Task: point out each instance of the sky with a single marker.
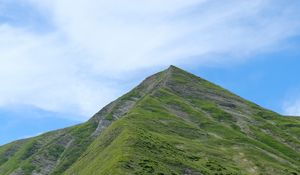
(61, 61)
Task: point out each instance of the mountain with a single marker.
(173, 123)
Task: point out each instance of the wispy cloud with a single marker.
(292, 109)
(291, 105)
(40, 71)
(77, 65)
(139, 34)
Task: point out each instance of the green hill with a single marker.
(173, 123)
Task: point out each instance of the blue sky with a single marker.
(62, 60)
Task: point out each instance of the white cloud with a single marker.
(293, 109)
(42, 72)
(143, 34)
(76, 67)
(291, 106)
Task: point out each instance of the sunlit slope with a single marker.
(173, 123)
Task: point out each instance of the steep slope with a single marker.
(172, 123)
(54, 152)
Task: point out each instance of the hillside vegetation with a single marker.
(173, 123)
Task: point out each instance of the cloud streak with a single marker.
(77, 66)
(291, 105)
(292, 109)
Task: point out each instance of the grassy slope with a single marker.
(200, 138)
(186, 125)
(35, 153)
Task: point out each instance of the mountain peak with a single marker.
(172, 123)
(172, 67)
(173, 79)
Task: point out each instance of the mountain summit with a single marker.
(173, 123)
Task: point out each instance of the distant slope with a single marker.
(172, 123)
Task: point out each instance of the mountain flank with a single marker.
(173, 123)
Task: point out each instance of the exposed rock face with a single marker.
(120, 107)
(172, 123)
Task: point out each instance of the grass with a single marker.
(185, 125)
(151, 140)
